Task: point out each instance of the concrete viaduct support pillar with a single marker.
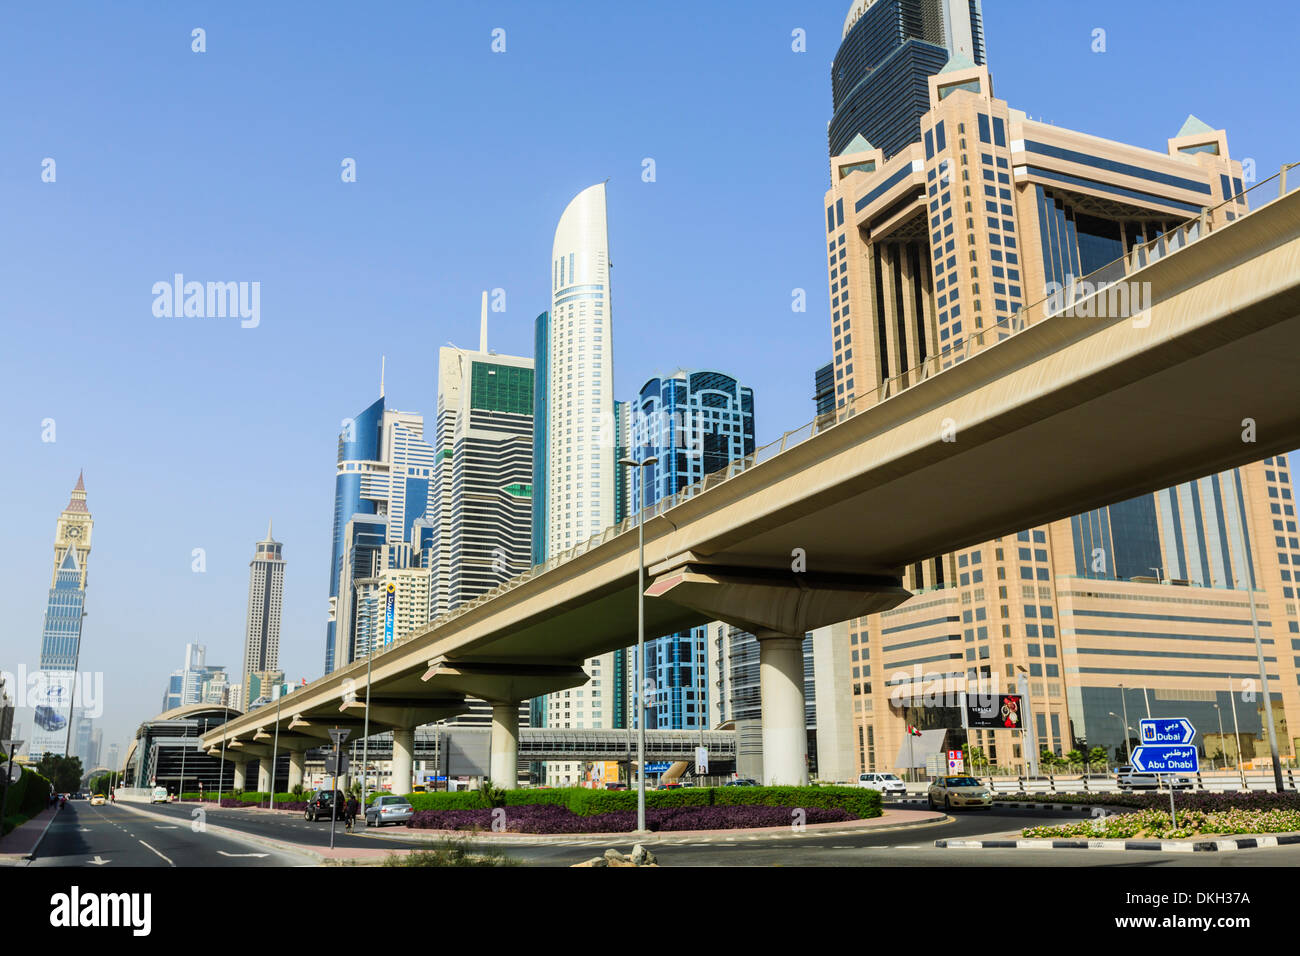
(241, 771)
(264, 775)
(403, 759)
(503, 765)
(785, 735)
(297, 767)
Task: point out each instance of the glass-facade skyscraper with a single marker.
(889, 50)
(694, 423)
(385, 470)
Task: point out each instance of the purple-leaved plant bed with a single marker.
(544, 818)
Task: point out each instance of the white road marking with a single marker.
(142, 843)
(224, 853)
(98, 860)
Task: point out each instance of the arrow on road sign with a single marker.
(1167, 730)
(1173, 758)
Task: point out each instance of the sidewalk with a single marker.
(21, 842)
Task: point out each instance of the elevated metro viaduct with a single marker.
(1106, 408)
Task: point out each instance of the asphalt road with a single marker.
(113, 830)
(287, 827)
(109, 836)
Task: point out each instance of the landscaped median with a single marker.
(1205, 821)
(578, 810)
(1157, 825)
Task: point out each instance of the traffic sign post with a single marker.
(338, 735)
(1167, 748)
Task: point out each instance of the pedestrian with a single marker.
(350, 814)
(112, 795)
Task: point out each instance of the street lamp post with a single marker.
(640, 638)
(1236, 733)
(1128, 741)
(221, 770)
(1259, 644)
(275, 747)
(1219, 713)
(365, 733)
(1123, 731)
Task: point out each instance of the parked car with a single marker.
(741, 782)
(98, 800)
(320, 805)
(673, 785)
(958, 791)
(886, 783)
(1126, 778)
(159, 795)
(388, 809)
(611, 785)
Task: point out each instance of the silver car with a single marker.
(388, 809)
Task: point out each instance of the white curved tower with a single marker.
(580, 466)
(581, 437)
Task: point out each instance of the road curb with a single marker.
(677, 838)
(240, 836)
(1167, 846)
(1084, 809)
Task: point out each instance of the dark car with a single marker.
(741, 782)
(615, 785)
(321, 803)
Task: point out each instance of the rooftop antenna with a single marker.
(482, 325)
(382, 360)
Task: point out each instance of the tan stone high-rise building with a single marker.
(1135, 609)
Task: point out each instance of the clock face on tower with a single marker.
(73, 532)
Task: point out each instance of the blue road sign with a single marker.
(1166, 758)
(1167, 730)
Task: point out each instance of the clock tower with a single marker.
(73, 532)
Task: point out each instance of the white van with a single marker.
(886, 783)
(159, 795)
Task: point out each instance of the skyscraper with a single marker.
(580, 468)
(694, 423)
(484, 485)
(385, 468)
(888, 51)
(481, 532)
(61, 636)
(1138, 604)
(265, 600)
(577, 438)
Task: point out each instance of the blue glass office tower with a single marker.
(358, 442)
(694, 423)
(879, 77)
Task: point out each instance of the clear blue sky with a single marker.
(225, 166)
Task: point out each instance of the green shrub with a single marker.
(859, 802)
(456, 800)
(520, 798)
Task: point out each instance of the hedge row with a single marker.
(28, 796)
(579, 800)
